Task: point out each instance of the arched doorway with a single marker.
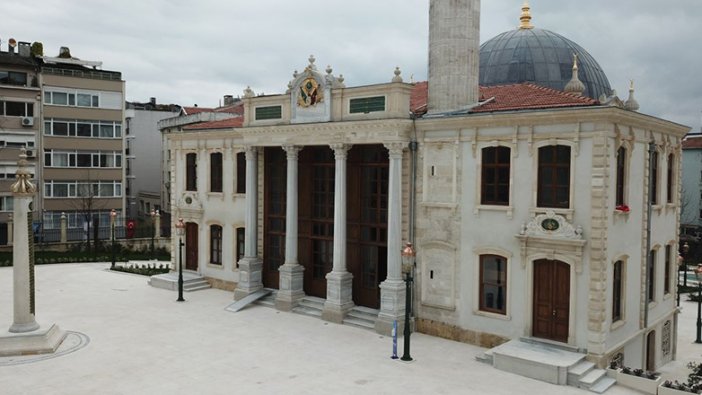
(191, 246)
(551, 304)
(651, 351)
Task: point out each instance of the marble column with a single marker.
(291, 273)
(392, 290)
(250, 266)
(339, 281)
(157, 224)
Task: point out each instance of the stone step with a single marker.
(304, 310)
(191, 281)
(536, 360)
(591, 378)
(193, 288)
(602, 385)
(359, 323)
(484, 358)
(577, 371)
(312, 303)
(363, 313)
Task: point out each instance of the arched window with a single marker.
(241, 172)
(191, 172)
(654, 177)
(554, 176)
(670, 191)
(494, 180)
(621, 176)
(618, 291)
(493, 284)
(215, 244)
(216, 172)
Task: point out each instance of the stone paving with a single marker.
(139, 340)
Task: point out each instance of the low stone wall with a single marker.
(452, 332)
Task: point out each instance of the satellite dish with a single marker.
(12, 42)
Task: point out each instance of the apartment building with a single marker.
(19, 113)
(82, 141)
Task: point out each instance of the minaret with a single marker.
(454, 47)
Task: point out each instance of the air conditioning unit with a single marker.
(27, 121)
(30, 153)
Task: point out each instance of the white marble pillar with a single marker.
(291, 273)
(392, 290)
(23, 192)
(250, 266)
(157, 224)
(339, 281)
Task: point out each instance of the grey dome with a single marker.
(541, 57)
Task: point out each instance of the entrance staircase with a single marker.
(191, 281)
(358, 316)
(555, 364)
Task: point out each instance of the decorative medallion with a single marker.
(309, 94)
(188, 200)
(550, 224)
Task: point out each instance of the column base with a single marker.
(339, 296)
(392, 307)
(41, 341)
(24, 327)
(291, 291)
(250, 272)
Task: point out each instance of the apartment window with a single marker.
(617, 291)
(6, 203)
(666, 274)
(16, 109)
(72, 98)
(367, 105)
(240, 237)
(670, 190)
(241, 172)
(216, 172)
(654, 178)
(191, 172)
(216, 244)
(77, 189)
(621, 175)
(554, 177)
(493, 283)
(494, 188)
(79, 128)
(13, 78)
(651, 286)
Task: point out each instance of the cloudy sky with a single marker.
(194, 52)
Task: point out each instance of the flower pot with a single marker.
(670, 391)
(639, 383)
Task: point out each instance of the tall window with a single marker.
(670, 191)
(617, 291)
(241, 172)
(494, 188)
(216, 244)
(216, 172)
(666, 275)
(651, 276)
(240, 232)
(554, 177)
(191, 172)
(621, 175)
(654, 177)
(493, 284)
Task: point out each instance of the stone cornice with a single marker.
(554, 116)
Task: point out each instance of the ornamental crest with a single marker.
(309, 94)
(551, 225)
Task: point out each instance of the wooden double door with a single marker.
(551, 304)
(366, 204)
(191, 246)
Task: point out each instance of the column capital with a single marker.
(251, 152)
(395, 148)
(292, 151)
(340, 150)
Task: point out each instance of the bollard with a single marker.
(394, 340)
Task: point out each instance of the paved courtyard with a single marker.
(143, 342)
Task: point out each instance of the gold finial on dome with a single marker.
(525, 18)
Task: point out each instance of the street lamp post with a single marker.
(408, 257)
(113, 216)
(180, 229)
(153, 231)
(698, 273)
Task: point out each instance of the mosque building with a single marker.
(525, 186)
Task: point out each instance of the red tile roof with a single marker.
(692, 142)
(236, 108)
(235, 122)
(508, 98)
(196, 110)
